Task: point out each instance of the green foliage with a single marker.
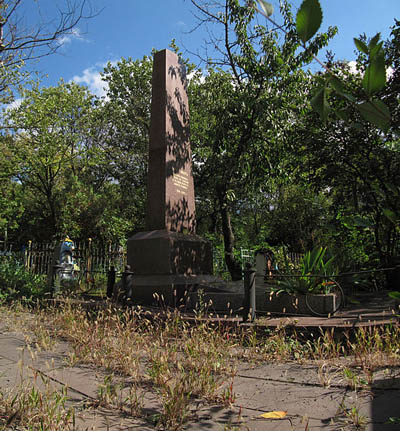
(125, 119)
(376, 112)
(297, 217)
(48, 144)
(308, 19)
(18, 283)
(320, 103)
(394, 295)
(375, 72)
(312, 276)
(239, 115)
(76, 164)
(354, 162)
(11, 201)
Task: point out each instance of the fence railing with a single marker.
(248, 255)
(92, 256)
(100, 257)
(89, 256)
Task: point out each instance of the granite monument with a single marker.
(169, 260)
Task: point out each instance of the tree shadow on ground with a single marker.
(385, 405)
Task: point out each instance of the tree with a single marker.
(81, 162)
(246, 104)
(358, 163)
(11, 206)
(48, 150)
(125, 118)
(308, 21)
(21, 43)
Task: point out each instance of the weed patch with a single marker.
(181, 362)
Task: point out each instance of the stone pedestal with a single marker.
(169, 264)
(162, 252)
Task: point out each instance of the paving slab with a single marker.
(258, 388)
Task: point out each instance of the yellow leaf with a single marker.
(274, 415)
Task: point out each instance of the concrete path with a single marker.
(314, 397)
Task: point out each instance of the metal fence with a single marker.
(89, 256)
(247, 256)
(92, 256)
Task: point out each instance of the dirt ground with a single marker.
(311, 396)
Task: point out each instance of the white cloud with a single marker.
(92, 79)
(353, 70)
(68, 38)
(191, 75)
(15, 104)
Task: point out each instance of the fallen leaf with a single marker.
(274, 415)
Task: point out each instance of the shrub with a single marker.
(18, 283)
(313, 275)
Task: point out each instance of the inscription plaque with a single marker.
(181, 182)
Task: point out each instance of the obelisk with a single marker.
(169, 258)
(170, 203)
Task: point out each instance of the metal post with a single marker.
(110, 282)
(127, 282)
(249, 305)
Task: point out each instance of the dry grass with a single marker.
(36, 406)
(180, 361)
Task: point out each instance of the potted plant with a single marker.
(311, 286)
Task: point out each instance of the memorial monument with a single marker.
(169, 259)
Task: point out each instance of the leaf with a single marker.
(375, 75)
(374, 40)
(376, 112)
(266, 7)
(361, 46)
(377, 49)
(274, 415)
(320, 103)
(391, 215)
(308, 19)
(358, 126)
(352, 222)
(394, 295)
(338, 86)
(342, 115)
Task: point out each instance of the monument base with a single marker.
(168, 264)
(161, 252)
(173, 290)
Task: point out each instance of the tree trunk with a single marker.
(233, 265)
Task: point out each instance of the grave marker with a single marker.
(169, 258)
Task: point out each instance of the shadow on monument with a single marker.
(178, 215)
(177, 141)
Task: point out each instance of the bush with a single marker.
(313, 275)
(18, 283)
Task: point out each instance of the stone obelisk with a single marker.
(169, 258)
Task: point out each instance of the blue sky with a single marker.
(132, 28)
